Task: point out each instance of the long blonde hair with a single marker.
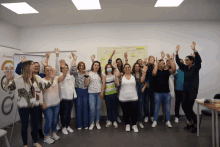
(25, 72)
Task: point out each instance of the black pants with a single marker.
(66, 107)
(24, 116)
(130, 111)
(111, 102)
(149, 98)
(187, 105)
(179, 97)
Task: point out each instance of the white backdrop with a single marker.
(7, 108)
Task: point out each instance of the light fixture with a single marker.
(168, 3)
(20, 8)
(87, 4)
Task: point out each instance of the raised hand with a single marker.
(173, 55)
(73, 55)
(157, 62)
(168, 57)
(113, 53)
(193, 45)
(93, 58)
(48, 55)
(43, 63)
(177, 49)
(162, 54)
(126, 55)
(145, 60)
(57, 51)
(62, 63)
(23, 59)
(145, 68)
(70, 57)
(193, 55)
(114, 65)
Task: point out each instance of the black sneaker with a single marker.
(41, 134)
(193, 130)
(188, 127)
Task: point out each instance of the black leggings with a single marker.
(130, 111)
(179, 97)
(187, 105)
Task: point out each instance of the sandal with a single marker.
(37, 145)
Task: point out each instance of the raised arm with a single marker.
(18, 68)
(154, 72)
(86, 78)
(173, 68)
(45, 63)
(64, 71)
(126, 57)
(110, 59)
(73, 69)
(144, 70)
(181, 65)
(57, 65)
(198, 59)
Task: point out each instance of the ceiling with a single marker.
(64, 12)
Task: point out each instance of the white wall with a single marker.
(9, 35)
(159, 36)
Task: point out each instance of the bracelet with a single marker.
(86, 76)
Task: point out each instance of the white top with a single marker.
(51, 95)
(128, 90)
(67, 89)
(171, 85)
(95, 83)
(67, 86)
(21, 101)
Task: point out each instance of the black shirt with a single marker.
(149, 77)
(161, 81)
(191, 76)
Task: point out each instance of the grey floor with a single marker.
(161, 136)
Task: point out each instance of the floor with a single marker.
(161, 136)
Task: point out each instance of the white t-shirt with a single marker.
(67, 88)
(171, 85)
(95, 83)
(51, 95)
(128, 90)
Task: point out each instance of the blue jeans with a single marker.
(24, 117)
(111, 102)
(51, 114)
(140, 106)
(65, 112)
(94, 106)
(82, 108)
(159, 97)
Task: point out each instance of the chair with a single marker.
(208, 112)
(3, 133)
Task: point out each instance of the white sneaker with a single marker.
(135, 128)
(64, 131)
(154, 124)
(70, 130)
(141, 125)
(128, 128)
(107, 121)
(98, 125)
(176, 120)
(108, 124)
(146, 119)
(118, 119)
(48, 140)
(55, 137)
(86, 128)
(58, 127)
(152, 119)
(115, 124)
(168, 124)
(79, 128)
(91, 126)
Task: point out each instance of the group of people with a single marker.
(144, 86)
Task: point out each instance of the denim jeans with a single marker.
(94, 106)
(82, 108)
(65, 112)
(51, 114)
(159, 97)
(24, 116)
(111, 102)
(149, 98)
(140, 106)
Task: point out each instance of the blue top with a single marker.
(18, 70)
(179, 80)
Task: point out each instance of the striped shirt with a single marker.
(110, 85)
